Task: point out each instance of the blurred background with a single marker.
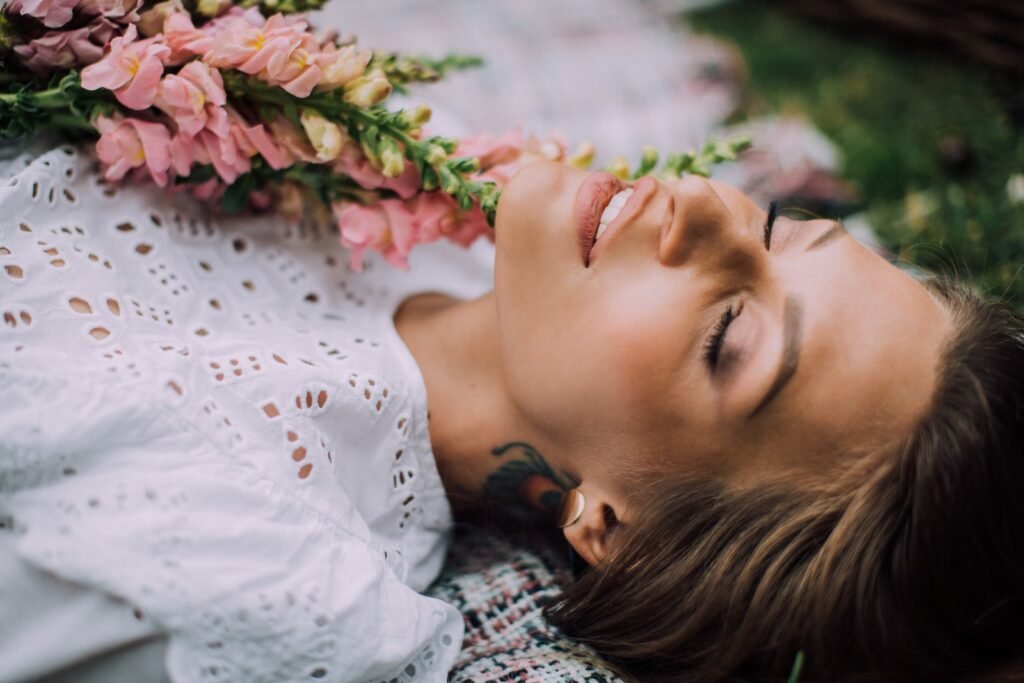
(902, 117)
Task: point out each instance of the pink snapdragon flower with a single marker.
(224, 153)
(492, 150)
(387, 226)
(184, 39)
(234, 19)
(228, 160)
(438, 215)
(295, 70)
(123, 10)
(132, 69)
(239, 45)
(355, 165)
(185, 151)
(210, 191)
(280, 51)
(254, 139)
(292, 141)
(194, 98)
(52, 13)
(127, 143)
(56, 50)
(471, 226)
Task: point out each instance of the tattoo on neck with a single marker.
(525, 484)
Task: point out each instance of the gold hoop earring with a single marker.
(573, 503)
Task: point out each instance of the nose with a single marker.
(705, 232)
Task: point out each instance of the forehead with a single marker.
(868, 367)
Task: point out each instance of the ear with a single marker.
(591, 535)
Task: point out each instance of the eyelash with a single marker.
(769, 224)
(713, 346)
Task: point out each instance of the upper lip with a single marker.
(643, 190)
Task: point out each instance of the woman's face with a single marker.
(684, 338)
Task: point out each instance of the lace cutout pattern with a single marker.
(184, 383)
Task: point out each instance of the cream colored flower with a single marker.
(392, 161)
(619, 168)
(151, 22)
(582, 157)
(340, 66)
(212, 8)
(326, 137)
(367, 91)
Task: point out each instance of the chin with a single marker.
(536, 250)
(534, 238)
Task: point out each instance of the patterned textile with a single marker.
(501, 588)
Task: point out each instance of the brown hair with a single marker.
(910, 567)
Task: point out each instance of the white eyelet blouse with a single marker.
(211, 432)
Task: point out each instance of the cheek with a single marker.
(607, 360)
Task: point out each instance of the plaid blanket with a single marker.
(501, 589)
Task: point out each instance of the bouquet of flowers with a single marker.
(244, 105)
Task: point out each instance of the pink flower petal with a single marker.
(140, 92)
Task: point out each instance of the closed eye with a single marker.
(769, 224)
(713, 346)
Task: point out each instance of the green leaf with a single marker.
(798, 667)
(236, 197)
(198, 175)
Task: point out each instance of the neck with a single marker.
(487, 456)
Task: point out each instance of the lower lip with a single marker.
(591, 199)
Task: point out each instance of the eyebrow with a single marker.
(792, 316)
(837, 229)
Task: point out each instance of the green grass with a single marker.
(891, 108)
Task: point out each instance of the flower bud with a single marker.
(449, 181)
(436, 155)
(326, 137)
(467, 165)
(151, 22)
(550, 150)
(582, 157)
(391, 159)
(650, 156)
(212, 8)
(619, 168)
(418, 116)
(367, 91)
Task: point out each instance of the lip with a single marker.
(643, 190)
(591, 199)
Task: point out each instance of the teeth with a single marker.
(611, 212)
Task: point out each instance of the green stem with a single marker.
(327, 104)
(369, 119)
(53, 98)
(331, 106)
(71, 121)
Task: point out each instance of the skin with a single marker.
(570, 374)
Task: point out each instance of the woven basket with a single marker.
(990, 30)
